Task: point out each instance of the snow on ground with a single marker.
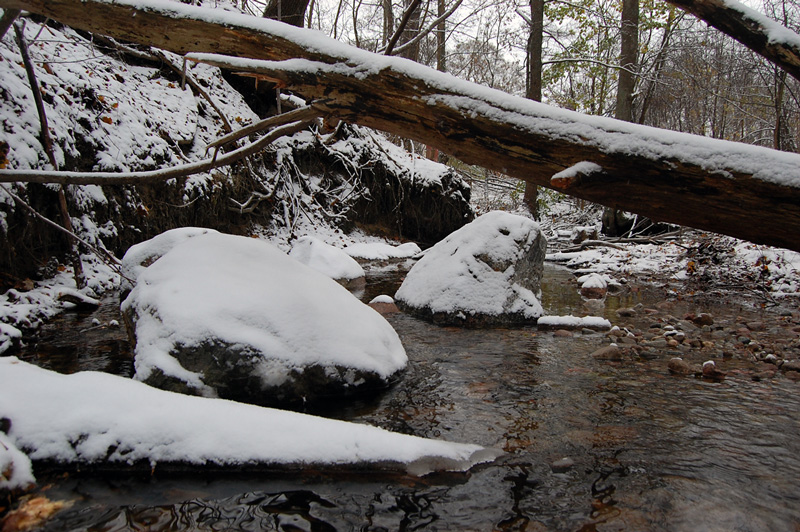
(326, 259)
(244, 291)
(92, 417)
(382, 250)
(22, 310)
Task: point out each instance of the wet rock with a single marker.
(678, 366)
(703, 319)
(562, 333)
(626, 312)
(793, 375)
(609, 352)
(791, 365)
(656, 343)
(710, 371)
(486, 274)
(562, 465)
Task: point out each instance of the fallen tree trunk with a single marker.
(761, 34)
(736, 189)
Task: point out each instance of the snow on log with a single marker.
(740, 190)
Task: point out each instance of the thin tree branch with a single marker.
(164, 174)
(303, 113)
(422, 34)
(47, 142)
(112, 261)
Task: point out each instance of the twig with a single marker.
(151, 176)
(591, 244)
(102, 254)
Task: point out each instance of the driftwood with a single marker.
(740, 190)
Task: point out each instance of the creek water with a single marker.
(645, 450)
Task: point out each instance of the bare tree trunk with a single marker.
(288, 11)
(441, 34)
(629, 56)
(614, 221)
(533, 89)
(8, 18)
(47, 142)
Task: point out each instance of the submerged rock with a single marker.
(485, 274)
(234, 317)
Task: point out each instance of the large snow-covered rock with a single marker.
(329, 260)
(487, 273)
(234, 317)
(101, 420)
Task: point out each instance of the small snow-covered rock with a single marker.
(16, 472)
(573, 322)
(382, 251)
(327, 259)
(593, 286)
(485, 274)
(234, 317)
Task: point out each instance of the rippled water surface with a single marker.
(649, 451)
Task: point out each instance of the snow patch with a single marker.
(92, 417)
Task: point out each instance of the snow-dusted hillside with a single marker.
(114, 108)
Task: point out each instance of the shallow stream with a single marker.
(645, 450)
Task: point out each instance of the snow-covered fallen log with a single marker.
(93, 419)
(679, 178)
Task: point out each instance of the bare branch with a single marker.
(303, 113)
(134, 178)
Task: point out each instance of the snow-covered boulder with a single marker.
(329, 260)
(487, 273)
(99, 420)
(234, 317)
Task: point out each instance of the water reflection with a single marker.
(646, 451)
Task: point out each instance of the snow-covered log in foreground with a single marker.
(101, 420)
(741, 190)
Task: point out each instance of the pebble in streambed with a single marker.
(771, 344)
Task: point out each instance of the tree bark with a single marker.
(741, 190)
(533, 89)
(750, 28)
(288, 11)
(629, 56)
